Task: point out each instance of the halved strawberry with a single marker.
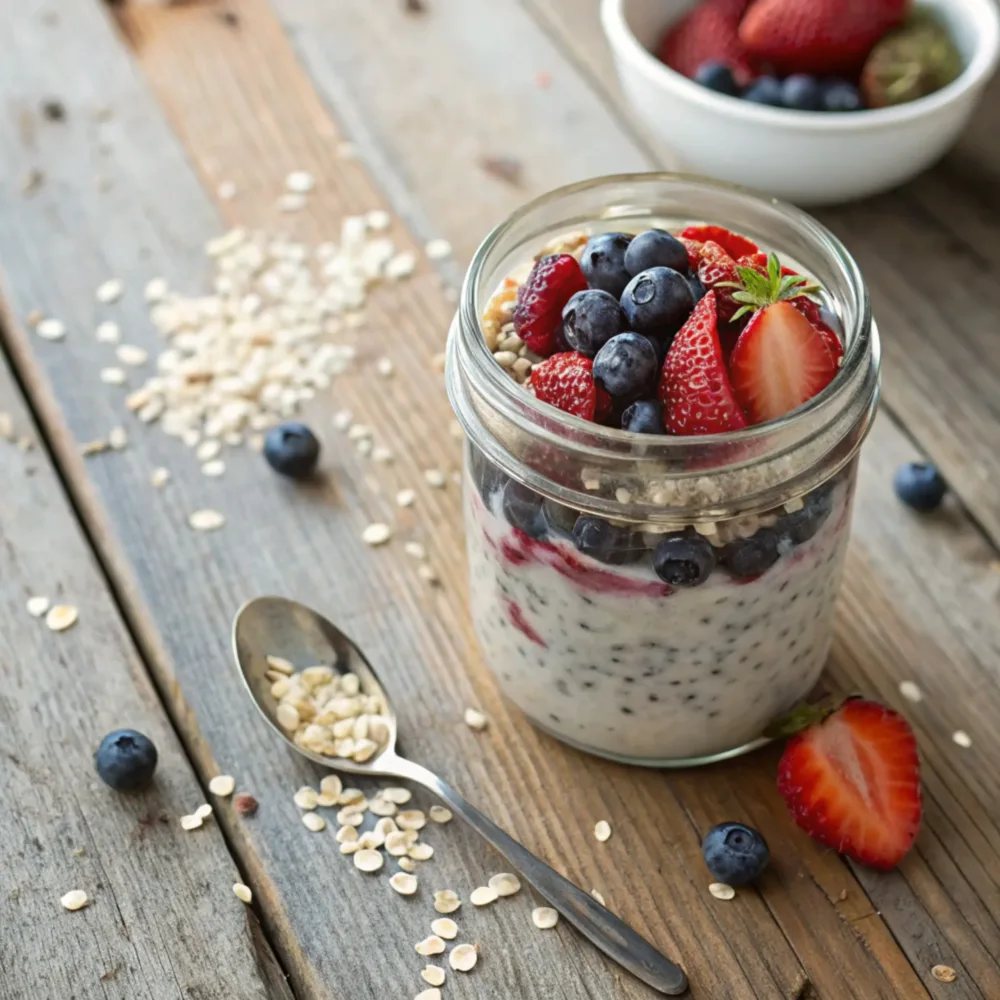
(733, 243)
(693, 248)
(852, 782)
(709, 33)
(540, 300)
(779, 362)
(694, 387)
(566, 380)
(812, 312)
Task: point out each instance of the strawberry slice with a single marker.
(693, 248)
(709, 33)
(540, 300)
(694, 387)
(811, 311)
(733, 243)
(566, 380)
(780, 361)
(852, 782)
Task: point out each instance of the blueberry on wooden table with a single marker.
(603, 262)
(126, 760)
(292, 449)
(735, 854)
(920, 485)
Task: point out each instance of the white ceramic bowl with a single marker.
(805, 157)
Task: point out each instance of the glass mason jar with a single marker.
(600, 652)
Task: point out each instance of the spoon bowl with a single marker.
(275, 626)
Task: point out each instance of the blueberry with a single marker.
(752, 556)
(644, 417)
(627, 365)
(718, 77)
(559, 519)
(840, 95)
(684, 560)
(291, 449)
(522, 507)
(590, 319)
(655, 248)
(608, 543)
(802, 92)
(765, 90)
(920, 486)
(698, 290)
(488, 477)
(603, 262)
(735, 854)
(658, 301)
(126, 760)
(801, 525)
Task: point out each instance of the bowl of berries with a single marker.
(818, 103)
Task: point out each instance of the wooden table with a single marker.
(458, 110)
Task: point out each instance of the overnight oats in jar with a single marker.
(664, 383)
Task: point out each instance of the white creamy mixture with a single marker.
(603, 657)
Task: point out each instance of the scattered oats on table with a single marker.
(415, 550)
(61, 617)
(463, 957)
(404, 883)
(109, 291)
(243, 893)
(6, 427)
(505, 884)
(445, 927)
(446, 901)
(597, 895)
(385, 367)
(437, 249)
(132, 355)
(76, 899)
(439, 814)
(38, 606)
(432, 945)
(411, 819)
(962, 738)
(544, 917)
(51, 329)
(602, 830)
(944, 973)
(910, 691)
(300, 182)
(432, 994)
(376, 534)
(421, 852)
(433, 974)
(159, 477)
(113, 376)
(483, 896)
(722, 891)
(108, 332)
(222, 785)
(206, 520)
(203, 811)
(191, 822)
(313, 822)
(435, 478)
(407, 864)
(117, 438)
(369, 860)
(475, 719)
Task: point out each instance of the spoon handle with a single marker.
(595, 922)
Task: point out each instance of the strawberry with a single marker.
(709, 33)
(693, 248)
(812, 312)
(717, 270)
(852, 782)
(735, 245)
(779, 362)
(821, 37)
(540, 301)
(694, 386)
(566, 380)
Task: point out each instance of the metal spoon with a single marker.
(276, 626)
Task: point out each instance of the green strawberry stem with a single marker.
(756, 291)
(804, 715)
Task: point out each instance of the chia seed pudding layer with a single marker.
(615, 660)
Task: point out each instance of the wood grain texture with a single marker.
(162, 922)
(795, 938)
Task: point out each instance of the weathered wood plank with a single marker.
(162, 922)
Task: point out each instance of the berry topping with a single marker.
(694, 386)
(735, 854)
(765, 90)
(823, 37)
(567, 381)
(603, 262)
(718, 271)
(719, 77)
(801, 92)
(750, 557)
(698, 290)
(658, 301)
(126, 760)
(735, 245)
(292, 449)
(522, 507)
(852, 782)
(627, 366)
(920, 486)
(779, 362)
(605, 542)
(541, 299)
(558, 517)
(801, 525)
(762, 281)
(826, 323)
(709, 33)
(644, 417)
(655, 248)
(684, 560)
(842, 95)
(591, 318)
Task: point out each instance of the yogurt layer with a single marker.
(618, 662)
